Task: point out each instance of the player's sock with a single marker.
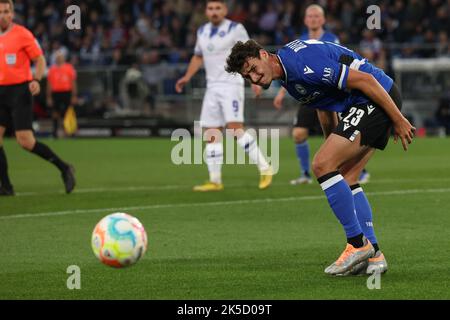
(214, 160)
(341, 202)
(356, 241)
(376, 247)
(302, 150)
(250, 145)
(364, 214)
(4, 177)
(46, 153)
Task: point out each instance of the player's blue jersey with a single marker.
(316, 74)
(326, 36)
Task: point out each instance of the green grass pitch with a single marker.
(241, 243)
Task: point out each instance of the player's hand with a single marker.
(181, 83)
(50, 102)
(404, 130)
(278, 101)
(74, 101)
(257, 90)
(34, 87)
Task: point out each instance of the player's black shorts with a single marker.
(16, 107)
(307, 118)
(370, 121)
(61, 101)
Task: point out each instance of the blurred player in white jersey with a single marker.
(223, 103)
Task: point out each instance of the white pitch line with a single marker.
(216, 203)
(175, 187)
(98, 190)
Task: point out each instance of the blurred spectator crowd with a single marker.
(122, 32)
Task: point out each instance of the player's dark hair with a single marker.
(11, 4)
(240, 53)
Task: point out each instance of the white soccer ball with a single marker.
(119, 240)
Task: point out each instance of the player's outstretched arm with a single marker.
(194, 65)
(367, 84)
(278, 100)
(328, 121)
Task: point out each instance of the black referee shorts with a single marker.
(61, 101)
(370, 121)
(16, 107)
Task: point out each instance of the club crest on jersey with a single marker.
(222, 34)
(300, 89)
(11, 58)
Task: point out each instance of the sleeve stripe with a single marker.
(342, 76)
(356, 64)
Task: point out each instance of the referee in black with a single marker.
(18, 47)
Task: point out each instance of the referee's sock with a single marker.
(46, 153)
(4, 178)
(341, 202)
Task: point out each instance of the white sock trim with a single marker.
(214, 153)
(214, 160)
(357, 190)
(247, 140)
(253, 151)
(331, 182)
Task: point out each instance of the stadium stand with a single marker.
(157, 38)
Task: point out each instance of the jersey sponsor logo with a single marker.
(307, 70)
(11, 58)
(300, 89)
(370, 109)
(346, 126)
(328, 75)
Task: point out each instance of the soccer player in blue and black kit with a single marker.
(306, 118)
(334, 79)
